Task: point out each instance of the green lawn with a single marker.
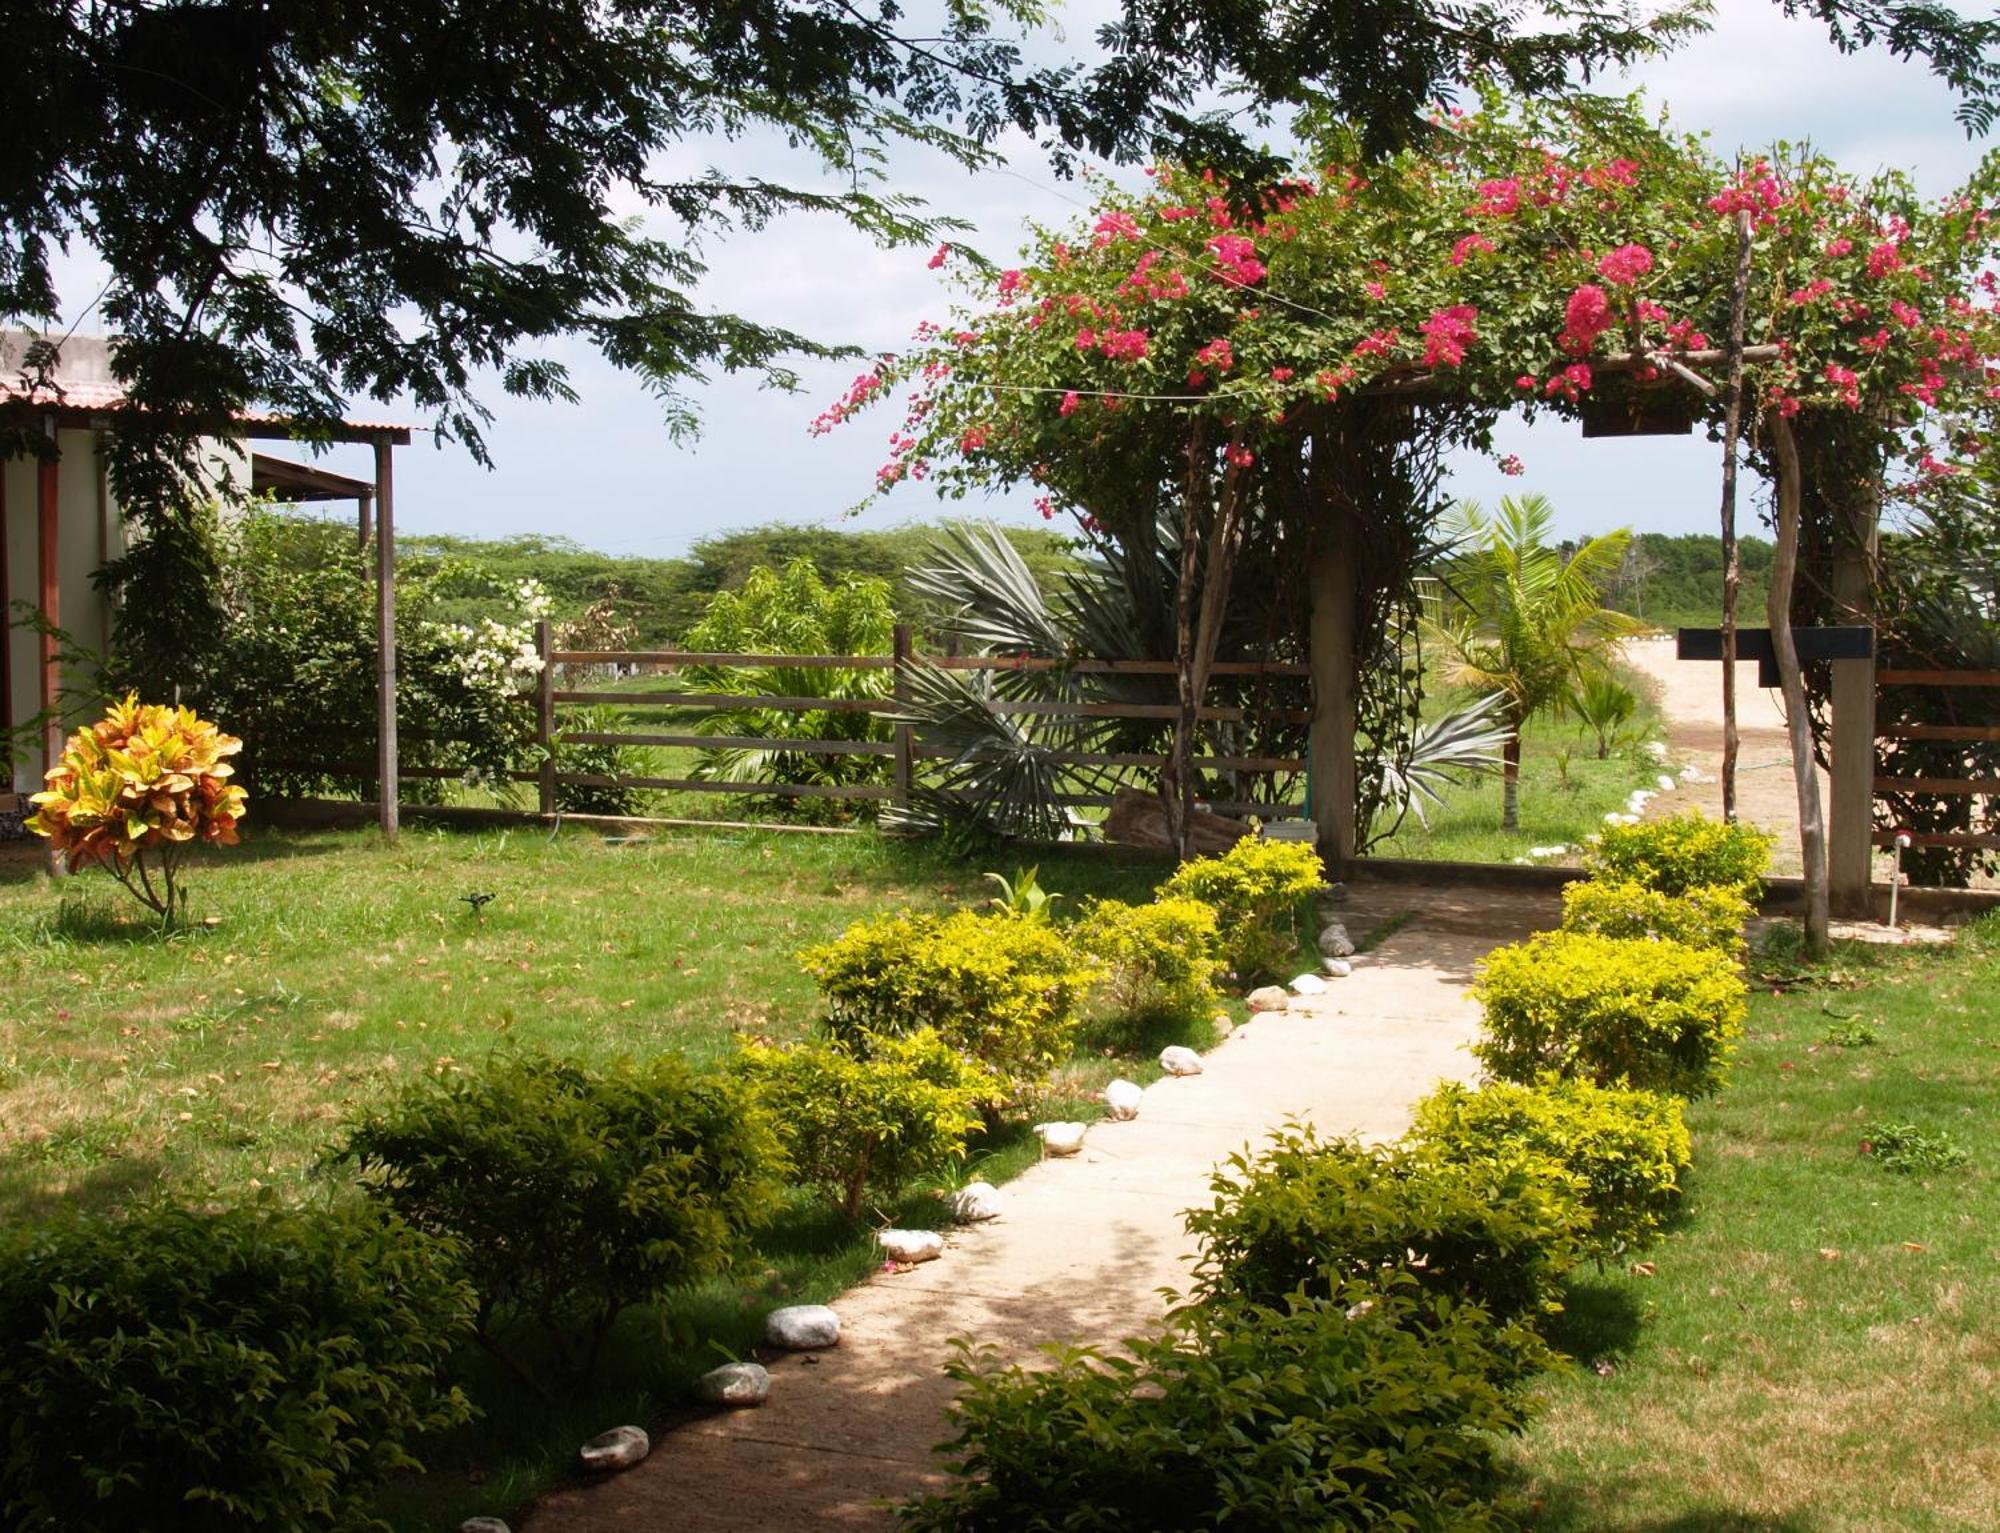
(1816, 1349)
(336, 968)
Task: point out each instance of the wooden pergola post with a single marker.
(48, 549)
(1330, 736)
(385, 637)
(1851, 818)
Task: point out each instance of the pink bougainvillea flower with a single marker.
(1620, 172)
(1239, 456)
(1086, 339)
(1447, 333)
(1497, 199)
(1838, 248)
(1512, 466)
(1175, 215)
(1236, 259)
(1884, 258)
(1281, 375)
(1047, 506)
(973, 439)
(1123, 345)
(1375, 290)
(1217, 354)
(1378, 343)
(1010, 284)
(1625, 265)
(1069, 403)
(1114, 226)
(1466, 248)
(1525, 381)
(1844, 379)
(1586, 316)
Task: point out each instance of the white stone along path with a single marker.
(1081, 1252)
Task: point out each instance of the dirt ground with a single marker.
(1689, 693)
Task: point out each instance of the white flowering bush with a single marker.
(294, 668)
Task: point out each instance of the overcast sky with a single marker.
(603, 471)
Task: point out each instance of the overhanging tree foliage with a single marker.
(304, 201)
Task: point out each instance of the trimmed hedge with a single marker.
(1657, 1016)
(1158, 960)
(1629, 1148)
(1708, 915)
(1256, 889)
(1373, 1408)
(1002, 988)
(1682, 852)
(182, 1370)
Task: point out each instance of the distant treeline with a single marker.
(660, 599)
(1675, 582)
(1667, 581)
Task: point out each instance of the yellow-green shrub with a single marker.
(1682, 852)
(1255, 889)
(851, 1123)
(1629, 1148)
(1653, 1015)
(1158, 960)
(1708, 915)
(1005, 990)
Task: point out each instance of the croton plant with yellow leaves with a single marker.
(135, 790)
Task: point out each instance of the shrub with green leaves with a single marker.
(1658, 1016)
(1159, 960)
(1372, 1408)
(1630, 1148)
(1320, 1214)
(1257, 890)
(1682, 852)
(574, 1191)
(1004, 989)
(185, 1370)
(1708, 915)
(880, 1123)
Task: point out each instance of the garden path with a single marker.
(1082, 1252)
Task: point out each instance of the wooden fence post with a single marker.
(545, 717)
(905, 743)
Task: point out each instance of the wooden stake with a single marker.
(386, 768)
(1732, 569)
(1798, 727)
(1174, 780)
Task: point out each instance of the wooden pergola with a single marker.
(91, 402)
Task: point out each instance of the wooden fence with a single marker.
(1939, 787)
(903, 748)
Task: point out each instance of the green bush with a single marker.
(1705, 916)
(884, 1122)
(1372, 1409)
(1001, 988)
(1658, 1016)
(1682, 852)
(1628, 1147)
(1256, 889)
(574, 1192)
(1317, 1215)
(1158, 960)
(205, 1371)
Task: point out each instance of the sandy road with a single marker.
(1690, 698)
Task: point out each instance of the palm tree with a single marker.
(1522, 619)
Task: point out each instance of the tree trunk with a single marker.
(1798, 727)
(1510, 781)
(1174, 780)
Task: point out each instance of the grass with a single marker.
(1565, 794)
(337, 968)
(1815, 1349)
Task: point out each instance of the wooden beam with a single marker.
(1896, 678)
(385, 635)
(1940, 787)
(1851, 812)
(1971, 732)
(6, 638)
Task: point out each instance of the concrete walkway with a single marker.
(1083, 1249)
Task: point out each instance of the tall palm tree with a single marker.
(1521, 619)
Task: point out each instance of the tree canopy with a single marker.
(304, 201)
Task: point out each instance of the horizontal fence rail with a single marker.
(1939, 787)
(907, 755)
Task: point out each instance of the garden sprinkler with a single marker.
(1903, 839)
